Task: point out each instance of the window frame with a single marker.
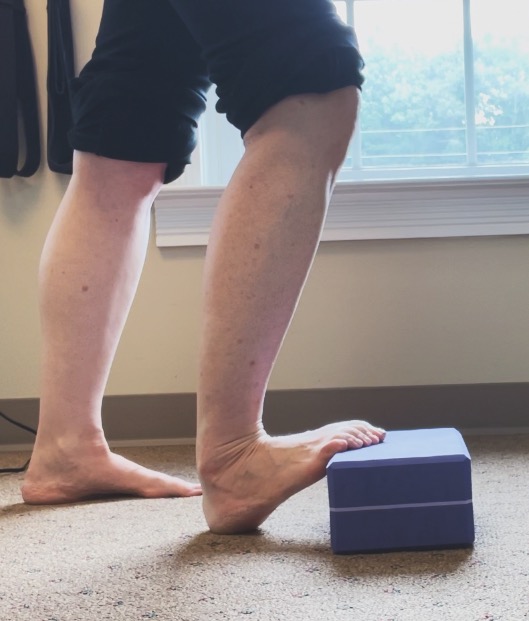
(374, 210)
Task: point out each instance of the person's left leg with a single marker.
(135, 104)
(89, 272)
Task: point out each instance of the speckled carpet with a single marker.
(154, 559)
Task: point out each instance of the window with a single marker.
(446, 90)
(446, 97)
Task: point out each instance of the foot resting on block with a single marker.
(245, 480)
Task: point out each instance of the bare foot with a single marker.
(54, 478)
(246, 480)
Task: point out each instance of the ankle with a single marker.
(74, 444)
(214, 454)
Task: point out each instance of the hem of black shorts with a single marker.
(87, 144)
(355, 79)
(81, 142)
(301, 91)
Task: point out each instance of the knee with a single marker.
(133, 179)
(319, 126)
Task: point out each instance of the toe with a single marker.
(194, 490)
(375, 439)
(183, 489)
(338, 445)
(367, 439)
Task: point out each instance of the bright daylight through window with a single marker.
(444, 87)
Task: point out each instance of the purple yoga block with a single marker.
(412, 491)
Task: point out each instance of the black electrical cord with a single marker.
(25, 428)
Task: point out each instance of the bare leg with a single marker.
(262, 244)
(90, 269)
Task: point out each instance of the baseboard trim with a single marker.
(146, 420)
(114, 444)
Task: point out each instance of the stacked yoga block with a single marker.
(412, 491)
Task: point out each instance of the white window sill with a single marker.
(373, 210)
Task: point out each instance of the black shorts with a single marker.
(140, 96)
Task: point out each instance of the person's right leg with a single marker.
(287, 74)
(261, 247)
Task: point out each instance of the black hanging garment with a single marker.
(60, 75)
(18, 93)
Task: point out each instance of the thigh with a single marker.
(260, 51)
(140, 95)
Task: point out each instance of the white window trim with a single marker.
(373, 210)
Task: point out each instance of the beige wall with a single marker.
(373, 314)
